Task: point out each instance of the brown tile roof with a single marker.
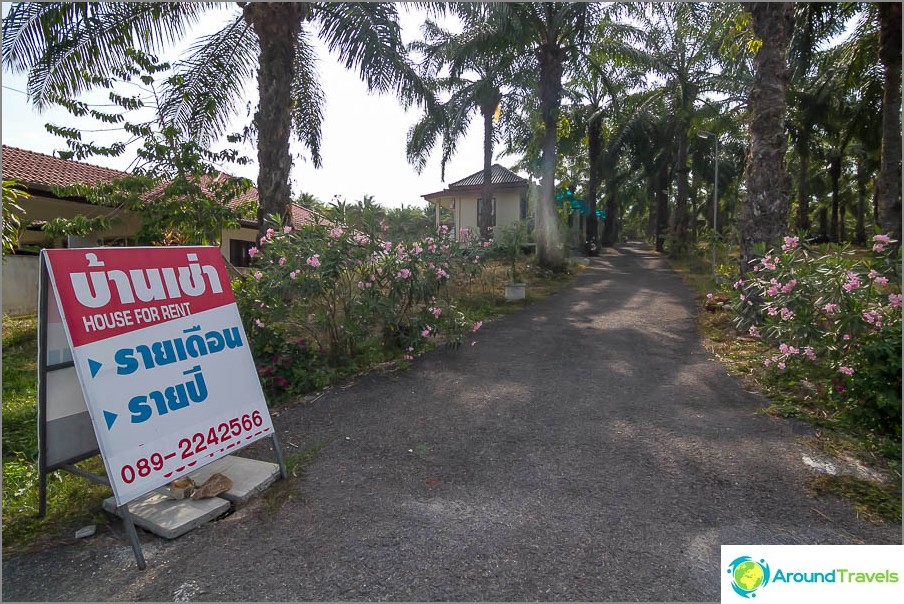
(42, 171)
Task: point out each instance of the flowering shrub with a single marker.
(349, 291)
(837, 316)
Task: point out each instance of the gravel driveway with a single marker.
(587, 448)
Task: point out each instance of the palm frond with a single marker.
(209, 83)
(367, 39)
(54, 42)
(308, 98)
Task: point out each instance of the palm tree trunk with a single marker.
(835, 175)
(889, 181)
(803, 183)
(594, 150)
(860, 232)
(680, 217)
(485, 215)
(549, 247)
(662, 205)
(277, 26)
(764, 213)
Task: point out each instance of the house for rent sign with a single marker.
(162, 359)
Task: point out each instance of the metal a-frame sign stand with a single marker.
(66, 434)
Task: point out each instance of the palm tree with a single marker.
(764, 213)
(681, 44)
(475, 82)
(889, 182)
(548, 32)
(68, 48)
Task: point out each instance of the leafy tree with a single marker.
(175, 189)
(68, 48)
(12, 215)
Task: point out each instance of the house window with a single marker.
(492, 211)
(238, 252)
(522, 214)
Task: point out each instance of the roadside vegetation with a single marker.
(817, 330)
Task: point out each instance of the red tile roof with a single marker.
(42, 171)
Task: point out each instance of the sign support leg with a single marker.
(283, 473)
(133, 536)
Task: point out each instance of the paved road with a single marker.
(587, 448)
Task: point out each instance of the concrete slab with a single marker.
(249, 476)
(169, 518)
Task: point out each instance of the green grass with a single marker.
(72, 502)
(794, 395)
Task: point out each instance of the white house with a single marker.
(510, 193)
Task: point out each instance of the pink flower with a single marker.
(767, 362)
(881, 281)
(417, 249)
(282, 260)
(894, 300)
(753, 331)
(252, 252)
(790, 243)
(425, 332)
(787, 287)
(403, 274)
(846, 337)
(781, 364)
(772, 311)
(263, 240)
(810, 354)
(270, 233)
(408, 357)
(293, 274)
(314, 260)
(878, 248)
(336, 232)
(436, 312)
(846, 370)
(431, 247)
(476, 326)
(830, 308)
(787, 315)
(259, 323)
(387, 245)
(872, 317)
(709, 296)
(882, 239)
(287, 229)
(739, 284)
(258, 275)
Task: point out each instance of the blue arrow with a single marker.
(94, 366)
(110, 417)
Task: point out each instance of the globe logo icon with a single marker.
(748, 575)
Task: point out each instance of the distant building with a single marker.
(463, 198)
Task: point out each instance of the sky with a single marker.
(363, 134)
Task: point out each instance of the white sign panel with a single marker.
(162, 358)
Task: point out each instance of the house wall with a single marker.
(38, 208)
(508, 209)
(20, 285)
